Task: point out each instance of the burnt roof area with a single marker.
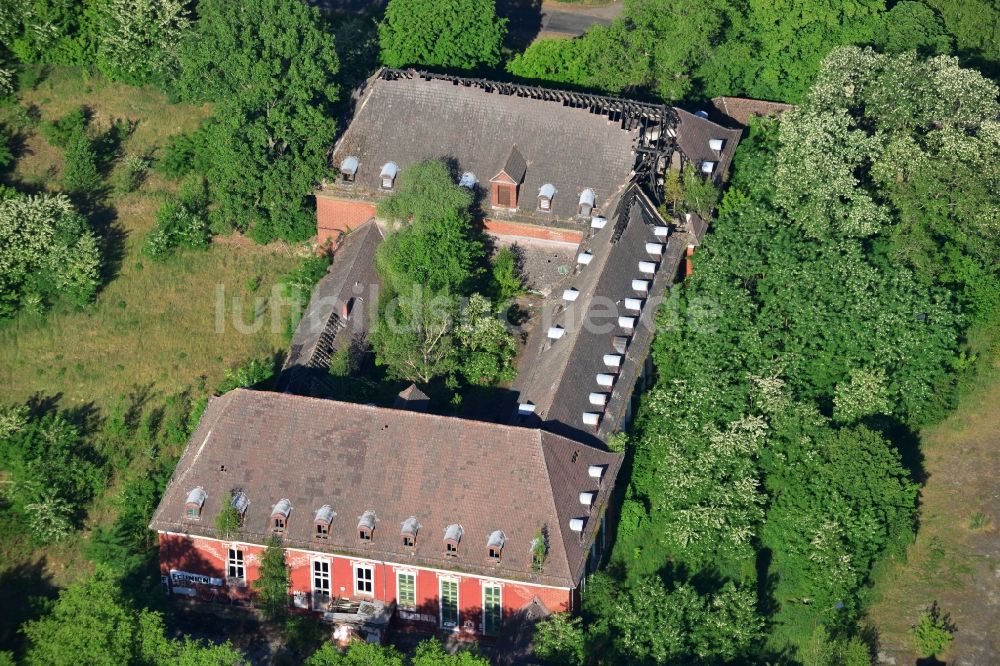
(537, 136)
(399, 464)
(534, 135)
(339, 313)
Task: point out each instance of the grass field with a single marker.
(154, 324)
(955, 558)
(153, 329)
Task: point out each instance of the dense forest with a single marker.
(775, 462)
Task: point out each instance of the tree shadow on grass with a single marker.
(26, 589)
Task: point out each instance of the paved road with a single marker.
(574, 20)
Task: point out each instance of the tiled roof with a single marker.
(739, 110)
(558, 376)
(407, 120)
(357, 458)
(322, 329)
(693, 136)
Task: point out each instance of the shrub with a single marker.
(184, 154)
(932, 634)
(228, 522)
(251, 373)
(181, 223)
(60, 132)
(131, 173)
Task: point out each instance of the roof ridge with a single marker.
(537, 432)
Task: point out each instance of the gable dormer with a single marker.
(504, 186)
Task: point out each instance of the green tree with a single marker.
(560, 639)
(93, 618)
(425, 192)
(462, 34)
(414, 336)
(138, 40)
(488, 349)
(914, 26)
(773, 50)
(273, 581)
(432, 653)
(507, 282)
(50, 474)
(357, 654)
(689, 627)
(269, 66)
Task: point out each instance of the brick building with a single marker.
(436, 518)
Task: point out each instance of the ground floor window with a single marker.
(321, 584)
(236, 571)
(364, 579)
(406, 590)
(449, 603)
(492, 609)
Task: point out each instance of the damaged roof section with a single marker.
(340, 310)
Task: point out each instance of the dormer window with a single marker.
(324, 519)
(366, 525)
(494, 545)
(503, 186)
(349, 169)
(452, 537)
(707, 167)
(195, 501)
(279, 515)
(587, 200)
(388, 175)
(409, 532)
(545, 194)
(716, 144)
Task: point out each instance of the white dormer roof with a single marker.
(349, 165)
(707, 167)
(587, 197)
(547, 191)
(389, 170)
(571, 294)
(716, 144)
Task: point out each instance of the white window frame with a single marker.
(355, 567)
(328, 576)
(240, 564)
(399, 599)
(458, 603)
(499, 588)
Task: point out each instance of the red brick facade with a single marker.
(197, 567)
(334, 215)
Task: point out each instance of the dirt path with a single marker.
(955, 559)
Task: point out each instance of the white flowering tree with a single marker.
(139, 39)
(47, 252)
